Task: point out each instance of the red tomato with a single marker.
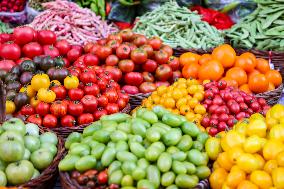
(79, 64)
(36, 119)
(130, 89)
(126, 66)
(27, 110)
(99, 113)
(111, 95)
(102, 83)
(91, 89)
(112, 108)
(116, 37)
(164, 72)
(91, 60)
(174, 63)
(60, 92)
(113, 44)
(23, 35)
(213, 131)
(78, 47)
(49, 121)
(102, 177)
(126, 34)
(139, 40)
(102, 100)
(133, 78)
(148, 77)
(167, 49)
(63, 46)
(121, 103)
(75, 71)
(51, 51)
(90, 103)
(155, 42)
(94, 49)
(205, 122)
(123, 51)
(162, 83)
(32, 49)
(112, 60)
(88, 76)
(103, 52)
(42, 108)
(102, 41)
(75, 108)
(150, 66)
(149, 50)
(73, 55)
(75, 94)
(124, 96)
(176, 75)
(88, 47)
(85, 119)
(10, 51)
(5, 37)
(58, 109)
(46, 37)
(161, 57)
(147, 87)
(131, 45)
(113, 85)
(7, 65)
(115, 73)
(139, 56)
(68, 121)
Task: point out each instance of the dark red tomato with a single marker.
(116, 73)
(73, 55)
(161, 57)
(111, 95)
(112, 60)
(164, 72)
(139, 56)
(167, 49)
(130, 89)
(139, 40)
(217, 100)
(88, 47)
(63, 47)
(234, 108)
(99, 113)
(91, 89)
(126, 66)
(123, 51)
(255, 106)
(106, 75)
(36, 119)
(46, 37)
(213, 131)
(79, 64)
(121, 103)
(78, 47)
(22, 60)
(240, 116)
(224, 117)
(42, 108)
(75, 71)
(10, 51)
(58, 109)
(149, 50)
(102, 83)
(262, 102)
(85, 119)
(66, 62)
(88, 77)
(51, 51)
(32, 49)
(27, 110)
(68, 121)
(147, 87)
(60, 92)
(103, 52)
(75, 108)
(133, 78)
(91, 60)
(222, 126)
(174, 63)
(90, 103)
(126, 34)
(115, 37)
(148, 77)
(162, 83)
(124, 96)
(49, 121)
(150, 66)
(221, 84)
(155, 42)
(205, 122)
(131, 45)
(243, 106)
(113, 85)
(75, 94)
(5, 37)
(23, 35)
(176, 75)
(113, 44)
(112, 108)
(102, 41)
(102, 100)
(213, 122)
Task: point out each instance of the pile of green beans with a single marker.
(261, 30)
(179, 27)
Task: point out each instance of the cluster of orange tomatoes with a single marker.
(246, 72)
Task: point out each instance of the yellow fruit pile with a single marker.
(253, 154)
(183, 97)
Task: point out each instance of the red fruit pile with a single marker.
(226, 105)
(12, 5)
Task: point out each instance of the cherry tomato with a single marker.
(36, 119)
(88, 77)
(91, 60)
(75, 94)
(149, 50)
(99, 113)
(49, 121)
(164, 72)
(113, 44)
(115, 73)
(102, 100)
(85, 119)
(173, 62)
(167, 49)
(148, 77)
(111, 95)
(124, 96)
(67, 121)
(121, 103)
(103, 177)
(10, 51)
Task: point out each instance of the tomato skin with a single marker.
(91, 89)
(60, 92)
(116, 37)
(126, 66)
(49, 121)
(99, 113)
(23, 35)
(155, 42)
(164, 72)
(42, 108)
(75, 108)
(46, 37)
(124, 96)
(112, 60)
(73, 55)
(148, 77)
(111, 95)
(115, 73)
(161, 57)
(149, 50)
(102, 83)
(112, 108)
(58, 109)
(150, 66)
(139, 40)
(63, 46)
(75, 94)
(32, 49)
(103, 52)
(19, 61)
(7, 65)
(36, 119)
(113, 44)
(139, 56)
(67, 121)
(90, 103)
(126, 34)
(174, 63)
(85, 119)
(133, 78)
(147, 87)
(123, 51)
(51, 51)
(10, 51)
(88, 46)
(129, 89)
(102, 100)
(167, 49)
(121, 103)
(102, 177)
(71, 82)
(88, 77)
(27, 110)
(91, 60)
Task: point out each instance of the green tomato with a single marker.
(128, 167)
(153, 135)
(138, 174)
(11, 151)
(80, 150)
(197, 158)
(145, 184)
(19, 172)
(125, 156)
(115, 177)
(50, 147)
(41, 158)
(197, 145)
(89, 130)
(186, 181)
(49, 137)
(125, 127)
(36, 174)
(3, 165)
(27, 154)
(202, 137)
(172, 137)
(149, 116)
(121, 146)
(14, 135)
(102, 136)
(137, 149)
(73, 137)
(190, 128)
(32, 129)
(118, 136)
(85, 163)
(3, 179)
(68, 163)
(32, 143)
(116, 165)
(172, 120)
(202, 172)
(15, 124)
(185, 143)
(168, 178)
(159, 111)
(127, 180)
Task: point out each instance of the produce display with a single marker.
(12, 6)
(262, 29)
(252, 153)
(246, 72)
(37, 4)
(150, 149)
(100, 7)
(72, 23)
(179, 27)
(24, 152)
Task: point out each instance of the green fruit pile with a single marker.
(146, 150)
(24, 152)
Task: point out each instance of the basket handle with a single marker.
(2, 102)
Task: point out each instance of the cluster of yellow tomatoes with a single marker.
(252, 154)
(182, 97)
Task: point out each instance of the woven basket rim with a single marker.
(279, 88)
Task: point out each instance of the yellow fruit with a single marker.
(240, 127)
(247, 162)
(217, 178)
(261, 178)
(260, 161)
(256, 116)
(277, 111)
(270, 165)
(277, 132)
(169, 103)
(256, 127)
(184, 109)
(232, 139)
(246, 185)
(177, 94)
(224, 161)
(235, 176)
(280, 159)
(10, 107)
(272, 148)
(252, 144)
(234, 153)
(199, 96)
(192, 89)
(190, 116)
(180, 102)
(278, 177)
(193, 102)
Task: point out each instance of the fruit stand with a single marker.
(109, 94)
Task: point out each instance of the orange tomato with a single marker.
(225, 54)
(184, 109)
(190, 70)
(245, 184)
(217, 178)
(205, 58)
(230, 82)
(237, 74)
(212, 70)
(258, 83)
(249, 55)
(262, 65)
(235, 176)
(245, 88)
(252, 73)
(274, 77)
(246, 62)
(270, 87)
(261, 178)
(224, 161)
(188, 58)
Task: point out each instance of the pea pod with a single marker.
(168, 178)
(137, 149)
(154, 175)
(73, 137)
(108, 156)
(115, 177)
(116, 165)
(101, 136)
(172, 120)
(117, 117)
(125, 156)
(68, 163)
(164, 162)
(85, 163)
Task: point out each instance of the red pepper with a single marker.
(123, 25)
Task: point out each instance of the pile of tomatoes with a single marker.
(225, 105)
(252, 154)
(246, 72)
(138, 63)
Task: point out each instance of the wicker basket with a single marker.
(180, 51)
(271, 97)
(136, 100)
(68, 183)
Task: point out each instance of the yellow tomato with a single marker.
(184, 109)
(277, 111)
(169, 103)
(29, 90)
(34, 101)
(234, 153)
(278, 177)
(256, 127)
(256, 116)
(235, 176)
(280, 159)
(10, 107)
(181, 80)
(261, 178)
(180, 102)
(190, 82)
(199, 96)
(200, 109)
(161, 90)
(183, 91)
(192, 89)
(216, 165)
(156, 99)
(270, 165)
(71, 82)
(46, 95)
(277, 132)
(198, 116)
(190, 116)
(246, 185)
(224, 161)
(181, 85)
(177, 94)
(240, 127)
(232, 139)
(217, 178)
(225, 186)
(170, 89)
(206, 81)
(272, 148)
(40, 81)
(55, 83)
(260, 160)
(252, 144)
(193, 102)
(270, 122)
(247, 162)
(148, 104)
